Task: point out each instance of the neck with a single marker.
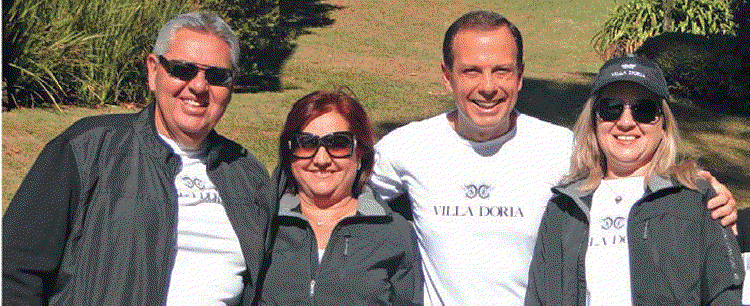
(623, 171)
(184, 140)
(325, 212)
(465, 128)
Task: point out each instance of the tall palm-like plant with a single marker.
(39, 54)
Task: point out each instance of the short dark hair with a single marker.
(481, 20)
(315, 105)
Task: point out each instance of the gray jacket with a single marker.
(371, 259)
(93, 223)
(678, 254)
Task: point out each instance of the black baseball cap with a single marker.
(632, 68)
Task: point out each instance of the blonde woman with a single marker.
(629, 225)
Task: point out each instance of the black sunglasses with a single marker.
(186, 71)
(337, 144)
(643, 110)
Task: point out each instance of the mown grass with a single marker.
(388, 53)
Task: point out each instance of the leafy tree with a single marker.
(268, 30)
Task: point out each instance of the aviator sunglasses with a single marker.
(186, 71)
(643, 110)
(337, 144)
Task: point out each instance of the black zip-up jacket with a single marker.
(678, 254)
(371, 259)
(94, 221)
(743, 227)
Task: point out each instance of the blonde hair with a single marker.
(588, 162)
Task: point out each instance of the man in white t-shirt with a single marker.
(478, 177)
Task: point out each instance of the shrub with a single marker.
(632, 23)
(713, 72)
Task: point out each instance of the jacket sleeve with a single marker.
(541, 262)
(743, 228)
(270, 236)
(36, 226)
(407, 281)
(724, 271)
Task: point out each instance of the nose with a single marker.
(199, 84)
(487, 89)
(321, 159)
(626, 119)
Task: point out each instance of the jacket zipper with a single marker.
(312, 288)
(645, 230)
(174, 210)
(314, 264)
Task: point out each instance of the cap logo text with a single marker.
(628, 66)
(628, 72)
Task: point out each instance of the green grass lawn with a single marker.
(388, 53)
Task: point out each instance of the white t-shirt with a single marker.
(746, 284)
(209, 264)
(476, 206)
(607, 257)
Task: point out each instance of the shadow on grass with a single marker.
(561, 102)
(274, 45)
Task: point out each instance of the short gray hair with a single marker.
(199, 21)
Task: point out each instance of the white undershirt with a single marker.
(321, 252)
(607, 258)
(209, 264)
(746, 284)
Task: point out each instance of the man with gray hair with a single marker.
(148, 208)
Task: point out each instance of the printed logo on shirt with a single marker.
(616, 222)
(195, 191)
(479, 192)
(482, 191)
(479, 211)
(612, 233)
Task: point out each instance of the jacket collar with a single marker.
(583, 198)
(367, 205)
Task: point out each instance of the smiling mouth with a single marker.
(486, 104)
(625, 137)
(323, 174)
(194, 103)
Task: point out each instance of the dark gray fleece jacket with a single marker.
(371, 259)
(678, 254)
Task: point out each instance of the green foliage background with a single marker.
(91, 52)
(86, 52)
(632, 23)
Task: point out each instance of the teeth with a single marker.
(192, 102)
(626, 137)
(484, 104)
